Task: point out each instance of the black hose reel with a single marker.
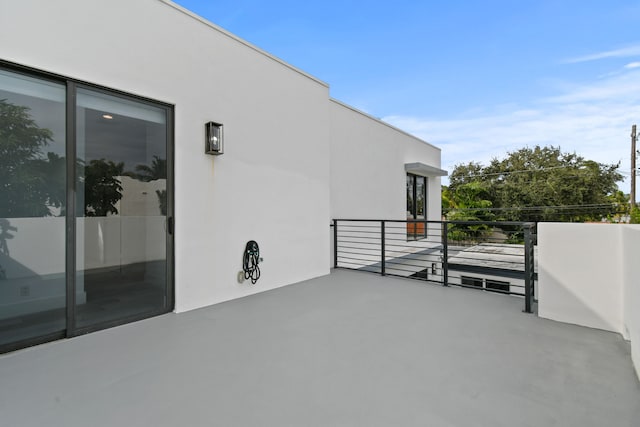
(250, 262)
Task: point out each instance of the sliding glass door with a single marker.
(32, 207)
(85, 196)
(121, 200)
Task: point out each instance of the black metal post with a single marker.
(70, 217)
(528, 268)
(445, 254)
(335, 243)
(382, 264)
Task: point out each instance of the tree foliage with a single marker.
(635, 215)
(26, 186)
(102, 187)
(467, 202)
(536, 184)
(146, 173)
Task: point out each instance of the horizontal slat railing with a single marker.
(491, 256)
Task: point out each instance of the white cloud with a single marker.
(632, 65)
(620, 86)
(592, 120)
(624, 52)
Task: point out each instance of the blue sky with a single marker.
(475, 78)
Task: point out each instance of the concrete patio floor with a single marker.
(348, 349)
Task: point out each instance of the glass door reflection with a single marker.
(121, 208)
(32, 208)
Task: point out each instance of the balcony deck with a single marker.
(348, 349)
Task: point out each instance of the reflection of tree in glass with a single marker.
(157, 170)
(29, 183)
(5, 229)
(102, 187)
(162, 200)
(55, 169)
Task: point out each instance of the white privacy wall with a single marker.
(631, 291)
(272, 183)
(588, 275)
(368, 179)
(580, 274)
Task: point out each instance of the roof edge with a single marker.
(425, 170)
(232, 36)
(369, 116)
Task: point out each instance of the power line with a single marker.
(533, 208)
(473, 175)
(580, 168)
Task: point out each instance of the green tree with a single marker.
(466, 173)
(620, 201)
(468, 202)
(635, 215)
(542, 184)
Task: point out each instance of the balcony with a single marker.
(347, 349)
(492, 256)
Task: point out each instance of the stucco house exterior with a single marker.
(112, 212)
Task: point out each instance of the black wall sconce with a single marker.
(214, 143)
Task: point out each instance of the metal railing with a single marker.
(492, 256)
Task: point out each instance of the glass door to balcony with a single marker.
(32, 208)
(85, 196)
(121, 208)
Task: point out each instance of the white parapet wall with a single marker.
(580, 274)
(587, 276)
(368, 158)
(631, 290)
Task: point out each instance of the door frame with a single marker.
(70, 219)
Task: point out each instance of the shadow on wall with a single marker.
(572, 308)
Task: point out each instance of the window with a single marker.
(416, 205)
(497, 285)
(471, 281)
(416, 197)
(488, 284)
(411, 185)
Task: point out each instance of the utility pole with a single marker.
(632, 196)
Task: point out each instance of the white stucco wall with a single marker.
(631, 290)
(368, 179)
(588, 275)
(580, 276)
(272, 183)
